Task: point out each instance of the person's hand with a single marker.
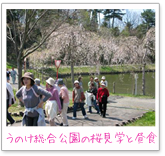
(40, 105)
(9, 105)
(60, 111)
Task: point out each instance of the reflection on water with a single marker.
(124, 83)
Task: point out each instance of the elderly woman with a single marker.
(64, 95)
(78, 97)
(29, 94)
(53, 106)
(102, 95)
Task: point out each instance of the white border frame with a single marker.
(84, 131)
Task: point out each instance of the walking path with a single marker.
(119, 111)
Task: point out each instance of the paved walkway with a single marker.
(119, 110)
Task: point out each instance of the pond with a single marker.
(124, 83)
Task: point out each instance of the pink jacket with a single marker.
(64, 94)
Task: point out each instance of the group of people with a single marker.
(96, 95)
(11, 74)
(56, 96)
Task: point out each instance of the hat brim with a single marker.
(47, 81)
(27, 77)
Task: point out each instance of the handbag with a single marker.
(61, 100)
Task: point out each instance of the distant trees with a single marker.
(28, 30)
(112, 14)
(77, 37)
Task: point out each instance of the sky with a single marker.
(120, 24)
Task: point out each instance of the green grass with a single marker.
(9, 66)
(84, 69)
(147, 120)
(135, 96)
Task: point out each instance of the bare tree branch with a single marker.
(36, 22)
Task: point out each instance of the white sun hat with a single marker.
(103, 78)
(96, 78)
(50, 81)
(76, 81)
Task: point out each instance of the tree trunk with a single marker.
(113, 23)
(109, 23)
(19, 67)
(143, 78)
(72, 73)
(99, 22)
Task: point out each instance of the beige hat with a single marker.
(50, 81)
(28, 75)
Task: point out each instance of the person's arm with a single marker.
(107, 93)
(62, 94)
(46, 94)
(73, 96)
(107, 84)
(56, 95)
(89, 84)
(82, 98)
(19, 94)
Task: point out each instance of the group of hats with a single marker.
(50, 81)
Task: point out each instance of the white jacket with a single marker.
(11, 94)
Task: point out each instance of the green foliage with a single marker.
(147, 120)
(148, 18)
(125, 32)
(135, 96)
(112, 14)
(115, 31)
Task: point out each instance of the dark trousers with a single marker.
(31, 121)
(75, 109)
(8, 115)
(103, 107)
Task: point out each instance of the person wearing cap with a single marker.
(54, 100)
(97, 82)
(91, 81)
(78, 97)
(13, 74)
(102, 95)
(37, 81)
(64, 95)
(104, 80)
(29, 95)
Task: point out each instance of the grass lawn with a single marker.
(147, 120)
(88, 69)
(135, 96)
(9, 65)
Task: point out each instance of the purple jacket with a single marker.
(55, 96)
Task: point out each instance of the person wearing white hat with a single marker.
(78, 98)
(54, 101)
(104, 80)
(97, 82)
(102, 96)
